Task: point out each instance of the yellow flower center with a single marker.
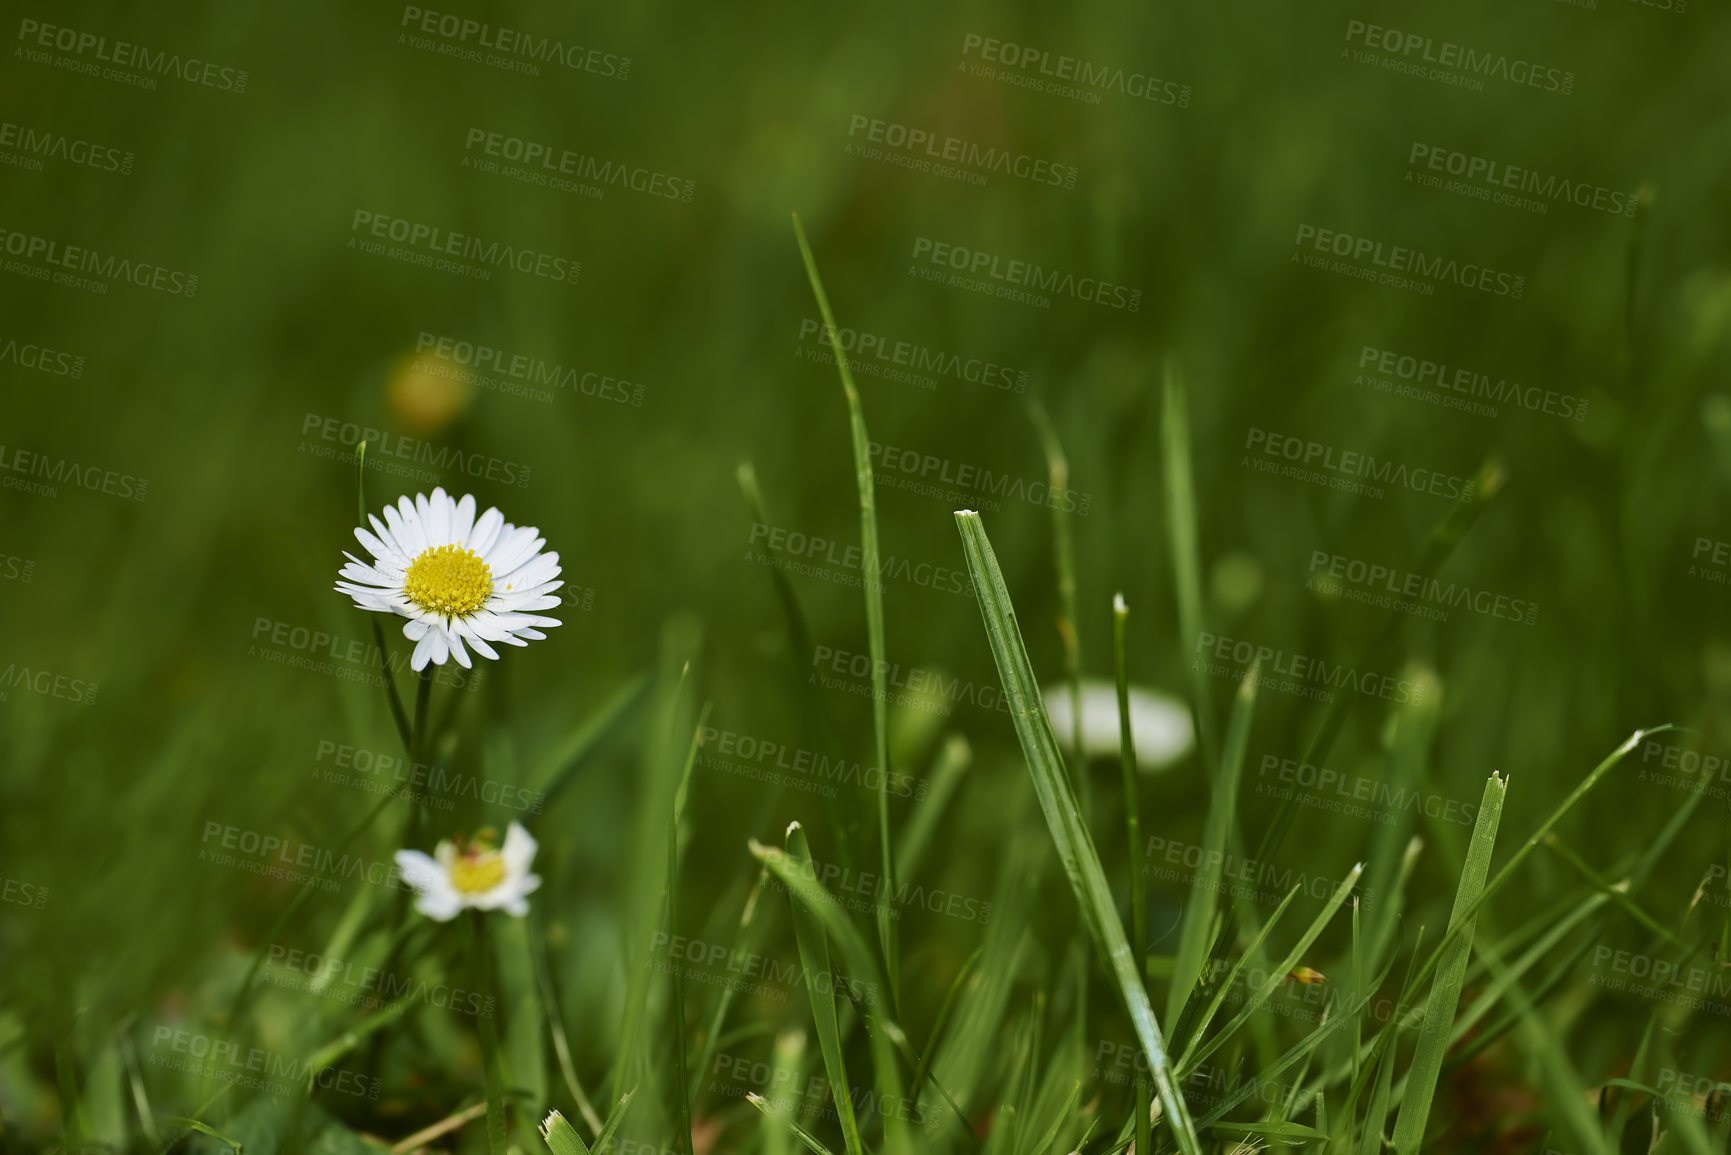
(478, 873)
(449, 580)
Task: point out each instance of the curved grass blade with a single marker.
(804, 1136)
(872, 585)
(1069, 833)
(818, 902)
(1445, 991)
(1193, 1057)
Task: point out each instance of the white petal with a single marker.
(440, 905)
(519, 849)
(419, 869)
(486, 532)
(463, 520)
(457, 650)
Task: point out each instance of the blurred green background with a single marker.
(239, 406)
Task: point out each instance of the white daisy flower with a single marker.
(458, 578)
(1159, 726)
(473, 875)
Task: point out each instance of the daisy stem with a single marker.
(418, 745)
(490, 1058)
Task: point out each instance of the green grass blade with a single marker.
(1058, 475)
(814, 963)
(872, 584)
(804, 1136)
(1276, 974)
(818, 902)
(788, 1055)
(953, 761)
(1446, 988)
(561, 767)
(1185, 544)
(1070, 834)
(1198, 921)
(562, 1138)
(1133, 823)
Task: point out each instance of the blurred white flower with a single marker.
(1160, 726)
(457, 578)
(474, 875)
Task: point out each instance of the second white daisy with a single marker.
(473, 875)
(464, 582)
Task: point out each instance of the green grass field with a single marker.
(913, 396)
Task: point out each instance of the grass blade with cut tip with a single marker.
(1133, 824)
(804, 1136)
(872, 584)
(1445, 991)
(815, 968)
(1069, 833)
(805, 888)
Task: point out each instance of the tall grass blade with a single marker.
(1070, 834)
(872, 584)
(1445, 991)
(1198, 918)
(1185, 544)
(1133, 824)
(815, 965)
